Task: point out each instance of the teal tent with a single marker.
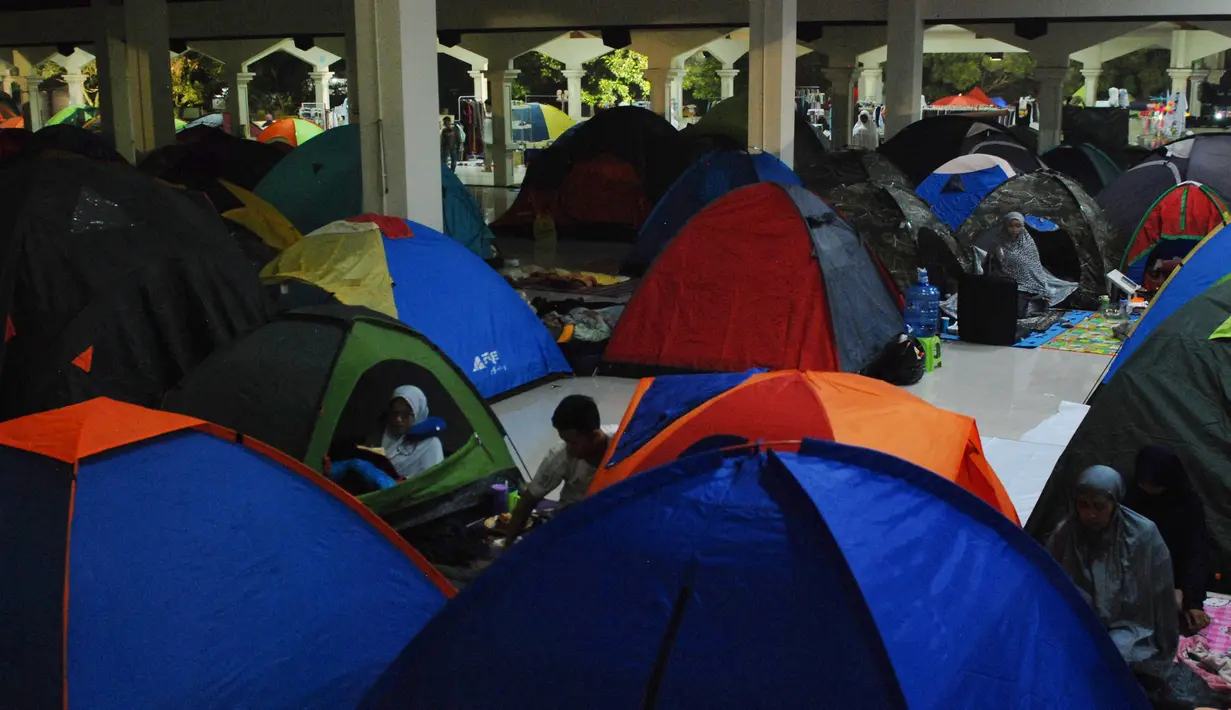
(464, 221)
(319, 182)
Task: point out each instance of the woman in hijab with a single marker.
(1018, 257)
(1120, 564)
(1163, 494)
(865, 134)
(410, 455)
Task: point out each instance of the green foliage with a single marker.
(281, 84)
(701, 80)
(49, 69)
(614, 78)
(195, 80)
(1143, 73)
(540, 75)
(948, 74)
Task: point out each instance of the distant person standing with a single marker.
(450, 143)
(865, 134)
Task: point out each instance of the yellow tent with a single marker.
(346, 259)
(262, 218)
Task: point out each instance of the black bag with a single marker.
(902, 361)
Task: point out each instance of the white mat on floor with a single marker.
(1025, 464)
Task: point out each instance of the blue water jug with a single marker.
(922, 307)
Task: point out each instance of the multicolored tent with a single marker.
(956, 188)
(1207, 264)
(766, 276)
(539, 123)
(712, 176)
(833, 577)
(673, 416)
(163, 562)
(321, 182)
(1178, 221)
(292, 131)
(430, 282)
(1172, 389)
(315, 382)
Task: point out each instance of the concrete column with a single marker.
(1092, 76)
(34, 101)
(1051, 104)
(660, 90)
(394, 46)
(871, 84)
(480, 84)
(1179, 79)
(771, 78)
(1216, 75)
(726, 81)
(905, 61)
(1194, 95)
(241, 122)
(320, 82)
(114, 95)
(76, 88)
(842, 113)
(573, 76)
(149, 69)
(502, 125)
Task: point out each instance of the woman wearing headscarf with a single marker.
(1164, 495)
(865, 134)
(1120, 564)
(1017, 256)
(410, 455)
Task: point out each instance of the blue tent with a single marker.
(712, 176)
(464, 220)
(834, 577)
(1207, 264)
(319, 182)
(155, 562)
(957, 187)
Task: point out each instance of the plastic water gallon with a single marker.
(922, 307)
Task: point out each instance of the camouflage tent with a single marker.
(852, 166)
(902, 232)
(1077, 251)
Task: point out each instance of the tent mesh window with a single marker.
(363, 418)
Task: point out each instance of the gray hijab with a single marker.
(1019, 258)
(1123, 571)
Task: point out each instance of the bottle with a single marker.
(922, 307)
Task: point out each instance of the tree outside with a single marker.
(615, 78)
(701, 82)
(1143, 73)
(1009, 77)
(541, 76)
(195, 80)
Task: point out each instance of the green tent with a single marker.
(1174, 390)
(73, 116)
(319, 379)
(726, 124)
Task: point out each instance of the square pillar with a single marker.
(320, 82)
(726, 81)
(675, 107)
(660, 90)
(904, 85)
(574, 77)
(871, 84)
(76, 89)
(502, 125)
(1179, 80)
(1091, 77)
(114, 91)
(149, 71)
(480, 84)
(842, 114)
(241, 124)
(1051, 105)
(33, 99)
(394, 46)
(771, 78)
(1194, 96)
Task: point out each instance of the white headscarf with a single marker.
(410, 458)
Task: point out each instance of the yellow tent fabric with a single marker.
(345, 258)
(262, 218)
(557, 121)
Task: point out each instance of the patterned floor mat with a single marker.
(1035, 340)
(1092, 335)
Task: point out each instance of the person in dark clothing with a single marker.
(1164, 495)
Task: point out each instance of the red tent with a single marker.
(1176, 223)
(766, 276)
(978, 95)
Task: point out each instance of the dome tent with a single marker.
(1078, 250)
(1178, 221)
(923, 146)
(163, 563)
(292, 131)
(853, 166)
(318, 183)
(726, 125)
(1089, 166)
(766, 276)
(955, 189)
(903, 233)
(761, 580)
(712, 176)
(671, 416)
(316, 380)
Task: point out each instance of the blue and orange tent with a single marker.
(832, 577)
(673, 415)
(155, 561)
(436, 286)
(1177, 222)
(712, 176)
(1207, 264)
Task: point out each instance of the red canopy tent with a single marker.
(974, 99)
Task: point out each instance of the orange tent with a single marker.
(14, 122)
(675, 415)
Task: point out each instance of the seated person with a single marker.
(572, 462)
(410, 455)
(1017, 257)
(1120, 565)
(1163, 494)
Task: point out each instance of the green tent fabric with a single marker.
(1174, 390)
(315, 382)
(727, 122)
(319, 182)
(73, 116)
(464, 221)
